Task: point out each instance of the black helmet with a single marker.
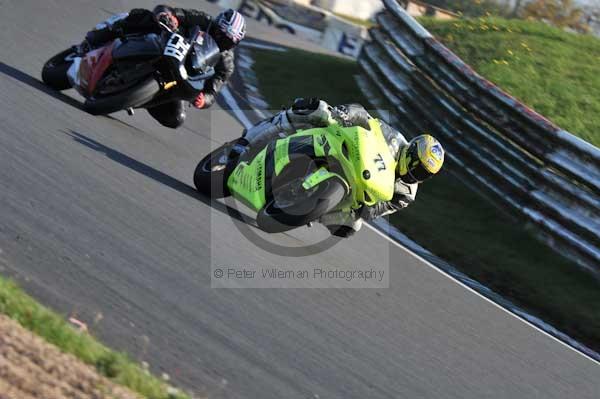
(228, 29)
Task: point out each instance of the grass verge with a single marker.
(555, 72)
(284, 76)
(451, 220)
(53, 328)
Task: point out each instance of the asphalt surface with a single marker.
(98, 219)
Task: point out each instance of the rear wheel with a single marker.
(210, 176)
(131, 98)
(54, 72)
(293, 206)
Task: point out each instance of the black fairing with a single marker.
(205, 54)
(140, 47)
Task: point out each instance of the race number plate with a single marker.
(177, 47)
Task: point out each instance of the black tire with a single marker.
(211, 174)
(54, 72)
(131, 98)
(328, 194)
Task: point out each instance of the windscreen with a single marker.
(206, 53)
(394, 138)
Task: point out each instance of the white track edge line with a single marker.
(432, 266)
(235, 108)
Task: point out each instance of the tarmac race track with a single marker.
(98, 219)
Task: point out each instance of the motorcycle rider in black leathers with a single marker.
(228, 29)
(418, 159)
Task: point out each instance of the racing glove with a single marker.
(200, 101)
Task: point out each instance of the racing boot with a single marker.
(304, 114)
(342, 223)
(269, 129)
(309, 113)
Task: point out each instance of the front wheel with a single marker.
(210, 176)
(54, 72)
(294, 207)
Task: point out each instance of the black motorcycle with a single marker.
(136, 71)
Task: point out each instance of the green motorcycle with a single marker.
(293, 181)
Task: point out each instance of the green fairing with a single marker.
(319, 177)
(247, 182)
(282, 157)
(368, 165)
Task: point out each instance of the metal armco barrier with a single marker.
(542, 174)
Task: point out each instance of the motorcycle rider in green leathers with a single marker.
(418, 159)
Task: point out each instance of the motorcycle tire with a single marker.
(131, 98)
(274, 218)
(211, 174)
(54, 72)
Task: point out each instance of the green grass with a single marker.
(451, 220)
(299, 73)
(53, 328)
(554, 72)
